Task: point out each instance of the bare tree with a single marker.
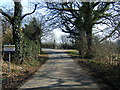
(79, 18)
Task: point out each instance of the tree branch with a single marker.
(101, 22)
(71, 32)
(61, 9)
(95, 4)
(29, 13)
(108, 36)
(6, 15)
(65, 9)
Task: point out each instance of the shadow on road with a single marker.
(60, 73)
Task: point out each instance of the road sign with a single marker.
(9, 48)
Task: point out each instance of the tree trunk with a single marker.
(89, 52)
(81, 43)
(40, 44)
(16, 23)
(88, 28)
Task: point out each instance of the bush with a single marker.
(106, 52)
(29, 48)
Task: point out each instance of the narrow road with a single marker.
(60, 72)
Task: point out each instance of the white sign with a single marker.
(9, 48)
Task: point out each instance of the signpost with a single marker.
(9, 48)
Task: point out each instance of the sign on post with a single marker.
(9, 48)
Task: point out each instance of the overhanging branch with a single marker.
(29, 13)
(6, 15)
(61, 9)
(108, 36)
(65, 9)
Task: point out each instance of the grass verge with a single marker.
(20, 73)
(108, 73)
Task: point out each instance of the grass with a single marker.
(109, 73)
(28, 64)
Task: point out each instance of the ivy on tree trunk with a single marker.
(16, 24)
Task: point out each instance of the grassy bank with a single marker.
(109, 73)
(20, 73)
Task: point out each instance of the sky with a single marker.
(25, 3)
(58, 35)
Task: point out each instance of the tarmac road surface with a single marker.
(60, 72)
